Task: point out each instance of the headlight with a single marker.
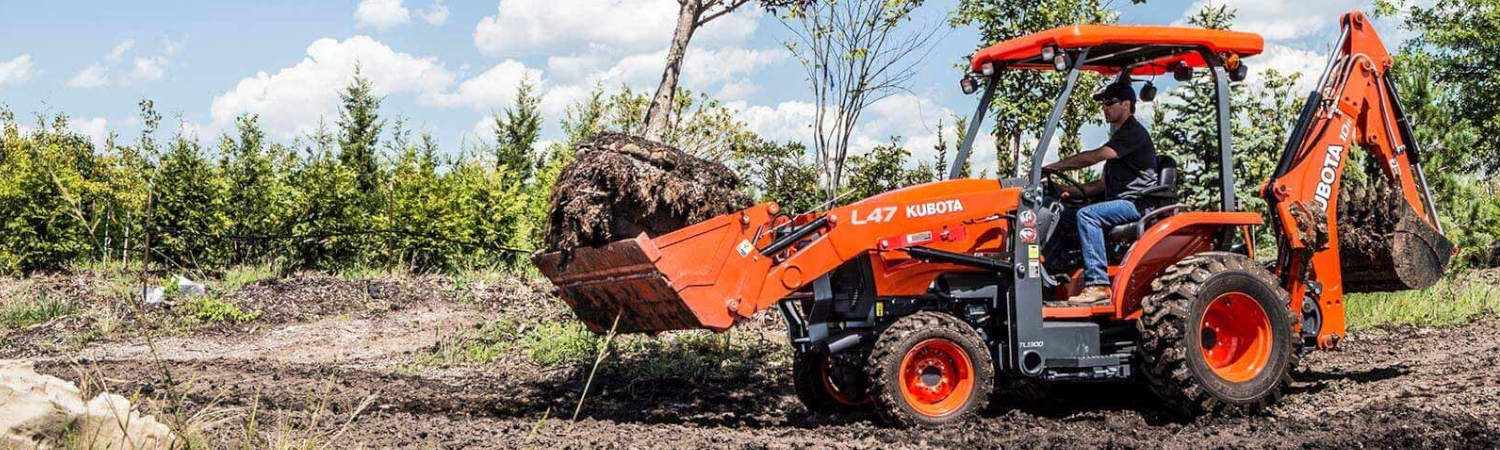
(969, 85)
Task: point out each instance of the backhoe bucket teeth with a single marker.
(687, 279)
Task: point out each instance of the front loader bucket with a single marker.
(691, 278)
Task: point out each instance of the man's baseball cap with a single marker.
(1119, 91)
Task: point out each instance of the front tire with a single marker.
(1216, 335)
(929, 369)
(829, 384)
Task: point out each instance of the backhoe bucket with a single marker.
(1385, 244)
(688, 279)
(1406, 254)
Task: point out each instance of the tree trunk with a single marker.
(659, 112)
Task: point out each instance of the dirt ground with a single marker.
(304, 379)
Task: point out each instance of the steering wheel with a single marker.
(1056, 176)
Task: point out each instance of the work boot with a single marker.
(1090, 296)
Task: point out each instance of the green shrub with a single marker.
(210, 310)
(1447, 303)
(25, 313)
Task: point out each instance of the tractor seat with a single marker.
(1159, 201)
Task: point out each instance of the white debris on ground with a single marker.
(42, 411)
(189, 288)
(180, 285)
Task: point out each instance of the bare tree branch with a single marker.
(854, 54)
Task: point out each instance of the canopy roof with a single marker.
(1150, 50)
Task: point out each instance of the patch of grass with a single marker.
(366, 272)
(553, 343)
(235, 278)
(466, 278)
(546, 344)
(698, 355)
(33, 311)
(1447, 303)
(211, 310)
(685, 355)
(484, 345)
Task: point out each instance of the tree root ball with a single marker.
(1384, 244)
(621, 186)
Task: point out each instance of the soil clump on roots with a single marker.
(621, 186)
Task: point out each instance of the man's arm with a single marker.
(1083, 159)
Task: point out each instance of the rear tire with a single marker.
(1216, 335)
(929, 369)
(829, 385)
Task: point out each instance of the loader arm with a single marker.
(1354, 104)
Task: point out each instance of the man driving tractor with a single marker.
(1130, 166)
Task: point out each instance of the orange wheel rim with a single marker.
(1235, 337)
(937, 377)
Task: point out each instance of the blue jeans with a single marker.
(1092, 220)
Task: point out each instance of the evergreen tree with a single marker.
(359, 131)
(255, 203)
(187, 207)
(517, 131)
(940, 167)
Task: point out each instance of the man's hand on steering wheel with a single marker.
(1069, 190)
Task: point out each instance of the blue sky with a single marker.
(448, 65)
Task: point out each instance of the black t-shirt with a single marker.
(1134, 167)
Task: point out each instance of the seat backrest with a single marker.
(1166, 172)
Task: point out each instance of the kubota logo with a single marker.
(1330, 170)
(934, 208)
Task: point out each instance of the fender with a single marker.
(1166, 242)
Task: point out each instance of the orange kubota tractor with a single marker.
(921, 302)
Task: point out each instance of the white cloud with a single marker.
(436, 15)
(736, 90)
(92, 76)
(97, 129)
(1288, 60)
(575, 68)
(149, 68)
(557, 99)
(489, 91)
(787, 121)
(170, 47)
(1282, 19)
(711, 67)
(911, 118)
(141, 68)
(381, 14)
(118, 52)
(292, 100)
(554, 26)
(16, 71)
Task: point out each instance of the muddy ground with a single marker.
(302, 380)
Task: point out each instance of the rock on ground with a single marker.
(41, 411)
(621, 186)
